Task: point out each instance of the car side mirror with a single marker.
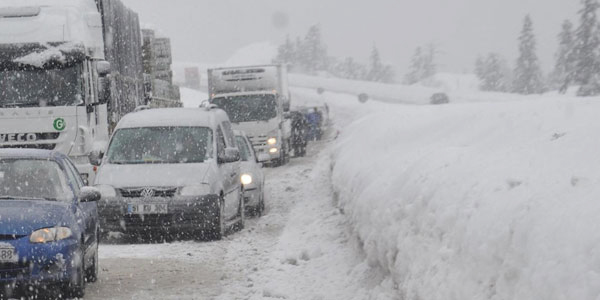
(95, 158)
(229, 155)
(89, 194)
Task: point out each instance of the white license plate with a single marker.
(147, 209)
(8, 254)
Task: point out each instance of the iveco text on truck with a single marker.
(256, 99)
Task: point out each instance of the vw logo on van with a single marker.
(147, 193)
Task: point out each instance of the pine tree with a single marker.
(527, 74)
(314, 51)
(286, 52)
(564, 67)
(415, 72)
(492, 71)
(375, 65)
(587, 43)
(429, 66)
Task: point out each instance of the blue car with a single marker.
(48, 224)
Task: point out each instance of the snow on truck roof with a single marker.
(169, 117)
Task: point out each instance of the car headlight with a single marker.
(246, 179)
(272, 141)
(195, 190)
(48, 235)
(107, 191)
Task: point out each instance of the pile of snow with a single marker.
(477, 201)
(192, 98)
(253, 54)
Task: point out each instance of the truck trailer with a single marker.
(257, 99)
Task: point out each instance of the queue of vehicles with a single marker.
(72, 74)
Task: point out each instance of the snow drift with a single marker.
(477, 201)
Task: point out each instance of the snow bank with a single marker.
(192, 98)
(477, 201)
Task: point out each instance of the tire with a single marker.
(217, 222)
(241, 223)
(76, 288)
(91, 274)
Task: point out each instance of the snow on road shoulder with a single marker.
(477, 201)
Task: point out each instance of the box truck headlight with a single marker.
(246, 179)
(273, 150)
(272, 141)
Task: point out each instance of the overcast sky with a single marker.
(210, 31)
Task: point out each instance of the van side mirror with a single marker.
(229, 155)
(89, 194)
(96, 158)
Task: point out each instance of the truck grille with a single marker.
(30, 146)
(153, 192)
(43, 141)
(258, 141)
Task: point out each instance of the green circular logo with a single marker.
(60, 124)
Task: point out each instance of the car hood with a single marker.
(22, 217)
(152, 175)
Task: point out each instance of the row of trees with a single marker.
(309, 55)
(577, 60)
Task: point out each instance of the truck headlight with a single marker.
(195, 190)
(246, 179)
(48, 235)
(272, 141)
(273, 150)
(107, 191)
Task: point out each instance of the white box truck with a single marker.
(257, 100)
(69, 70)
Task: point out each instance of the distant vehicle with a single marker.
(439, 98)
(363, 98)
(172, 170)
(299, 133)
(256, 99)
(48, 224)
(252, 177)
(69, 70)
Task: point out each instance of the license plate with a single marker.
(8, 254)
(147, 209)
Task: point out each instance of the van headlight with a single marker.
(107, 191)
(48, 235)
(195, 190)
(246, 179)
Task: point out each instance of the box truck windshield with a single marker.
(34, 87)
(248, 108)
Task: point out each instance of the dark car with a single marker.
(48, 224)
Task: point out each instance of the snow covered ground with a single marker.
(477, 201)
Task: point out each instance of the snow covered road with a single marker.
(300, 249)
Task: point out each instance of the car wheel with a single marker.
(217, 224)
(241, 213)
(76, 288)
(92, 272)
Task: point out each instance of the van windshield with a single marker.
(161, 145)
(248, 108)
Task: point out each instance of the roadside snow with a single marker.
(477, 201)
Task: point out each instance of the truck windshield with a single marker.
(161, 145)
(40, 87)
(250, 108)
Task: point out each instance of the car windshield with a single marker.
(161, 145)
(34, 87)
(243, 146)
(251, 108)
(26, 179)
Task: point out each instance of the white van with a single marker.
(172, 170)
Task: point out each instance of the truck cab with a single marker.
(52, 78)
(257, 100)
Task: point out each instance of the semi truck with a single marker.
(69, 70)
(158, 75)
(257, 100)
